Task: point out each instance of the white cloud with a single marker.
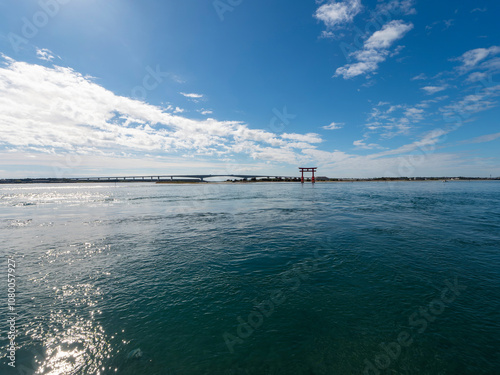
(396, 52)
(111, 165)
(192, 95)
(428, 102)
(334, 14)
(309, 137)
(392, 108)
(479, 10)
(491, 65)
(367, 146)
(273, 154)
(394, 7)
(171, 108)
(375, 50)
(430, 90)
(49, 113)
(57, 110)
(471, 58)
(327, 34)
(327, 157)
(482, 100)
(415, 114)
(471, 104)
(334, 126)
(389, 121)
(384, 38)
(476, 76)
(430, 139)
(44, 54)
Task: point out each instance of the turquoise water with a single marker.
(267, 278)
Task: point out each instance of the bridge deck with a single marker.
(200, 177)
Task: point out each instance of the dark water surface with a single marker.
(265, 278)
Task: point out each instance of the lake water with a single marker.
(263, 278)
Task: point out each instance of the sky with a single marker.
(357, 88)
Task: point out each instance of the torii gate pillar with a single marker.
(308, 170)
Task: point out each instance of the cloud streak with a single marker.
(484, 138)
(375, 50)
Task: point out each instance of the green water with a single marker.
(266, 278)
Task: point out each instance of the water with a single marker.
(266, 278)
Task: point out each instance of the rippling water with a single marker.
(266, 278)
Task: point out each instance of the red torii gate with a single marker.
(308, 170)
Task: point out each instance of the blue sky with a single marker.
(357, 88)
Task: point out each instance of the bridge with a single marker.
(167, 178)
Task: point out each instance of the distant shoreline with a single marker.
(252, 180)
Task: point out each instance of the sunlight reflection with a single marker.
(73, 343)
